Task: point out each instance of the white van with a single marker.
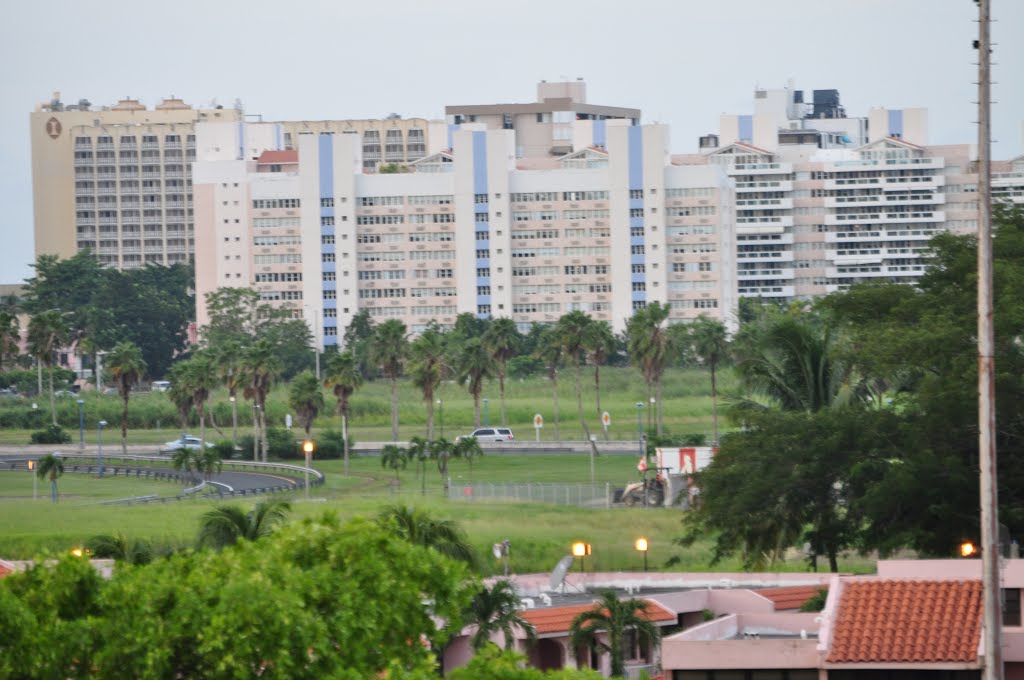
(160, 385)
(492, 434)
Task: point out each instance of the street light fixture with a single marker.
(35, 479)
(99, 445)
(641, 546)
(581, 550)
(81, 426)
(487, 420)
(307, 447)
(234, 422)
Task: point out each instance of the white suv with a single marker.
(492, 434)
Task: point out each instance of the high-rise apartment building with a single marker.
(117, 180)
(605, 229)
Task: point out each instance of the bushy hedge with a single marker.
(52, 434)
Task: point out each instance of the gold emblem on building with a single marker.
(53, 128)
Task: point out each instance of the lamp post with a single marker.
(307, 448)
(640, 426)
(99, 372)
(99, 445)
(256, 432)
(654, 411)
(234, 423)
(487, 420)
(581, 550)
(35, 478)
(440, 416)
(81, 426)
(641, 546)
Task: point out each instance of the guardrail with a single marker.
(615, 447)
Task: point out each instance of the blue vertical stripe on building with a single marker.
(896, 123)
(746, 131)
(600, 133)
(326, 157)
(278, 137)
(241, 140)
(452, 129)
(480, 162)
(636, 157)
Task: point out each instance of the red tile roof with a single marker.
(279, 157)
(790, 597)
(5, 570)
(908, 621)
(559, 619)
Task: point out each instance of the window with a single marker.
(483, 290)
(1011, 607)
(636, 193)
(483, 254)
(326, 202)
(267, 203)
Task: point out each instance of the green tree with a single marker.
(388, 352)
(613, 618)
(226, 525)
(180, 392)
(599, 344)
(48, 332)
(358, 339)
(420, 528)
(127, 368)
(342, 375)
(419, 451)
(493, 663)
(307, 399)
(468, 448)
(50, 466)
(648, 343)
(709, 341)
(573, 328)
(10, 337)
(495, 609)
(474, 366)
(551, 352)
(502, 341)
(227, 359)
(260, 365)
(393, 457)
(119, 547)
(200, 379)
(428, 367)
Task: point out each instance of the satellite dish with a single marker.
(497, 550)
(559, 572)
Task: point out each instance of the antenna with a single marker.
(557, 581)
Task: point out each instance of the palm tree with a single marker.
(200, 379)
(502, 340)
(710, 342)
(388, 352)
(228, 524)
(474, 367)
(613, 617)
(52, 466)
(394, 457)
(227, 359)
(573, 328)
(598, 343)
(48, 332)
(260, 365)
(428, 367)
(550, 351)
(648, 343)
(442, 451)
(419, 451)
(118, 547)
(127, 367)
(306, 397)
(184, 458)
(10, 336)
(468, 448)
(180, 393)
(419, 528)
(496, 609)
(343, 375)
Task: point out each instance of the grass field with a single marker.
(540, 534)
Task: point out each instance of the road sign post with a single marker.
(538, 422)
(606, 420)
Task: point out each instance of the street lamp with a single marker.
(35, 478)
(440, 415)
(256, 432)
(641, 546)
(81, 426)
(99, 445)
(581, 550)
(307, 447)
(487, 420)
(234, 423)
(640, 425)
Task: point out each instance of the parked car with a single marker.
(491, 434)
(186, 441)
(160, 385)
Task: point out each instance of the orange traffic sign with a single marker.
(538, 421)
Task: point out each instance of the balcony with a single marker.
(766, 291)
(780, 221)
(761, 168)
(767, 185)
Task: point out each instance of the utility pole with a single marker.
(992, 602)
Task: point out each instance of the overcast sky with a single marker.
(682, 62)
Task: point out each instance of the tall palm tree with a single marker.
(47, 332)
(612, 617)
(550, 351)
(442, 451)
(343, 376)
(428, 366)
(573, 328)
(394, 457)
(419, 451)
(200, 379)
(260, 365)
(496, 609)
(598, 343)
(710, 342)
(388, 352)
(227, 524)
(474, 367)
(502, 340)
(127, 368)
(648, 343)
(468, 448)
(10, 336)
(180, 393)
(51, 466)
(306, 398)
(205, 460)
(118, 547)
(419, 528)
(228, 359)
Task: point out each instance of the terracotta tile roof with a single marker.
(558, 619)
(5, 570)
(279, 157)
(908, 621)
(790, 597)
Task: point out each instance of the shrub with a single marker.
(52, 434)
